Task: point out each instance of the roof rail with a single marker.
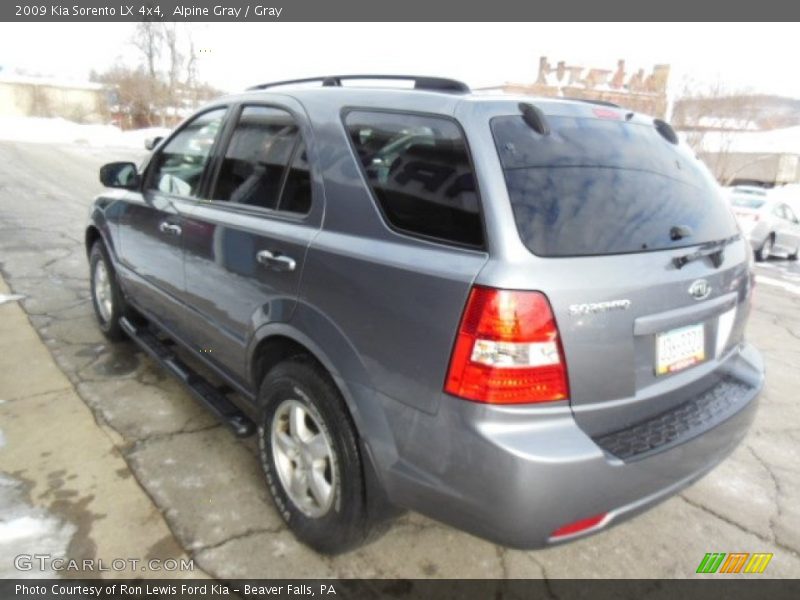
(590, 101)
(437, 84)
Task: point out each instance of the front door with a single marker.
(151, 223)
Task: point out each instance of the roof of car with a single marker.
(749, 190)
(444, 94)
(433, 101)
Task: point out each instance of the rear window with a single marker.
(598, 186)
(419, 169)
(747, 202)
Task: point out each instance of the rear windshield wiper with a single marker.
(714, 250)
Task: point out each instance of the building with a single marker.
(769, 158)
(24, 96)
(637, 90)
(743, 138)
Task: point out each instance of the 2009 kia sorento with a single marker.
(523, 317)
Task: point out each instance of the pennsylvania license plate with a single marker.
(679, 349)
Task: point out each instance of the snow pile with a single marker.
(135, 138)
(25, 528)
(60, 131)
(774, 141)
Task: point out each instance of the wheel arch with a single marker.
(92, 235)
(275, 342)
(278, 341)
(98, 229)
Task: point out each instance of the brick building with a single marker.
(638, 90)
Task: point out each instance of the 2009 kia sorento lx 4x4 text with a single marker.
(522, 317)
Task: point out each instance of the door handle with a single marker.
(275, 261)
(169, 228)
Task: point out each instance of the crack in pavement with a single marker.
(738, 526)
(501, 560)
(196, 550)
(778, 494)
(139, 443)
(548, 582)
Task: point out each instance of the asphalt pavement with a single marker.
(207, 487)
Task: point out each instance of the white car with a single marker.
(767, 221)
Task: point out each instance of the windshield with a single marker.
(747, 202)
(599, 186)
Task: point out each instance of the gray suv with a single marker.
(520, 316)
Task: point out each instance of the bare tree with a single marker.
(711, 118)
(166, 80)
(134, 100)
(191, 71)
(175, 61)
(39, 102)
(148, 39)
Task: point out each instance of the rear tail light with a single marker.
(507, 350)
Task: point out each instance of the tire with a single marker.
(764, 252)
(300, 404)
(107, 298)
(795, 254)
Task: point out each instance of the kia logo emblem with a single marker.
(700, 289)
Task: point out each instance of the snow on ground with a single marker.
(25, 529)
(61, 131)
(773, 141)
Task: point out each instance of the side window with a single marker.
(778, 211)
(419, 170)
(179, 167)
(255, 167)
(296, 196)
(790, 214)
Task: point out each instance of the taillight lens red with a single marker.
(754, 217)
(507, 350)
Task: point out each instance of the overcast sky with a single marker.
(755, 57)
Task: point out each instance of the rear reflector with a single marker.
(507, 350)
(578, 526)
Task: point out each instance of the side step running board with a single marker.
(212, 398)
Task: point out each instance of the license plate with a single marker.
(679, 349)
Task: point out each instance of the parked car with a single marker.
(768, 222)
(523, 317)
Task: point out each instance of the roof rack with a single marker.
(436, 84)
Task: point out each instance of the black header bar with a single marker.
(405, 10)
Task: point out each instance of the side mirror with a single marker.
(119, 175)
(151, 143)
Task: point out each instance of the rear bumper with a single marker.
(757, 236)
(514, 475)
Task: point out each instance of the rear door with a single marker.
(794, 229)
(787, 231)
(613, 209)
(151, 223)
(246, 246)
